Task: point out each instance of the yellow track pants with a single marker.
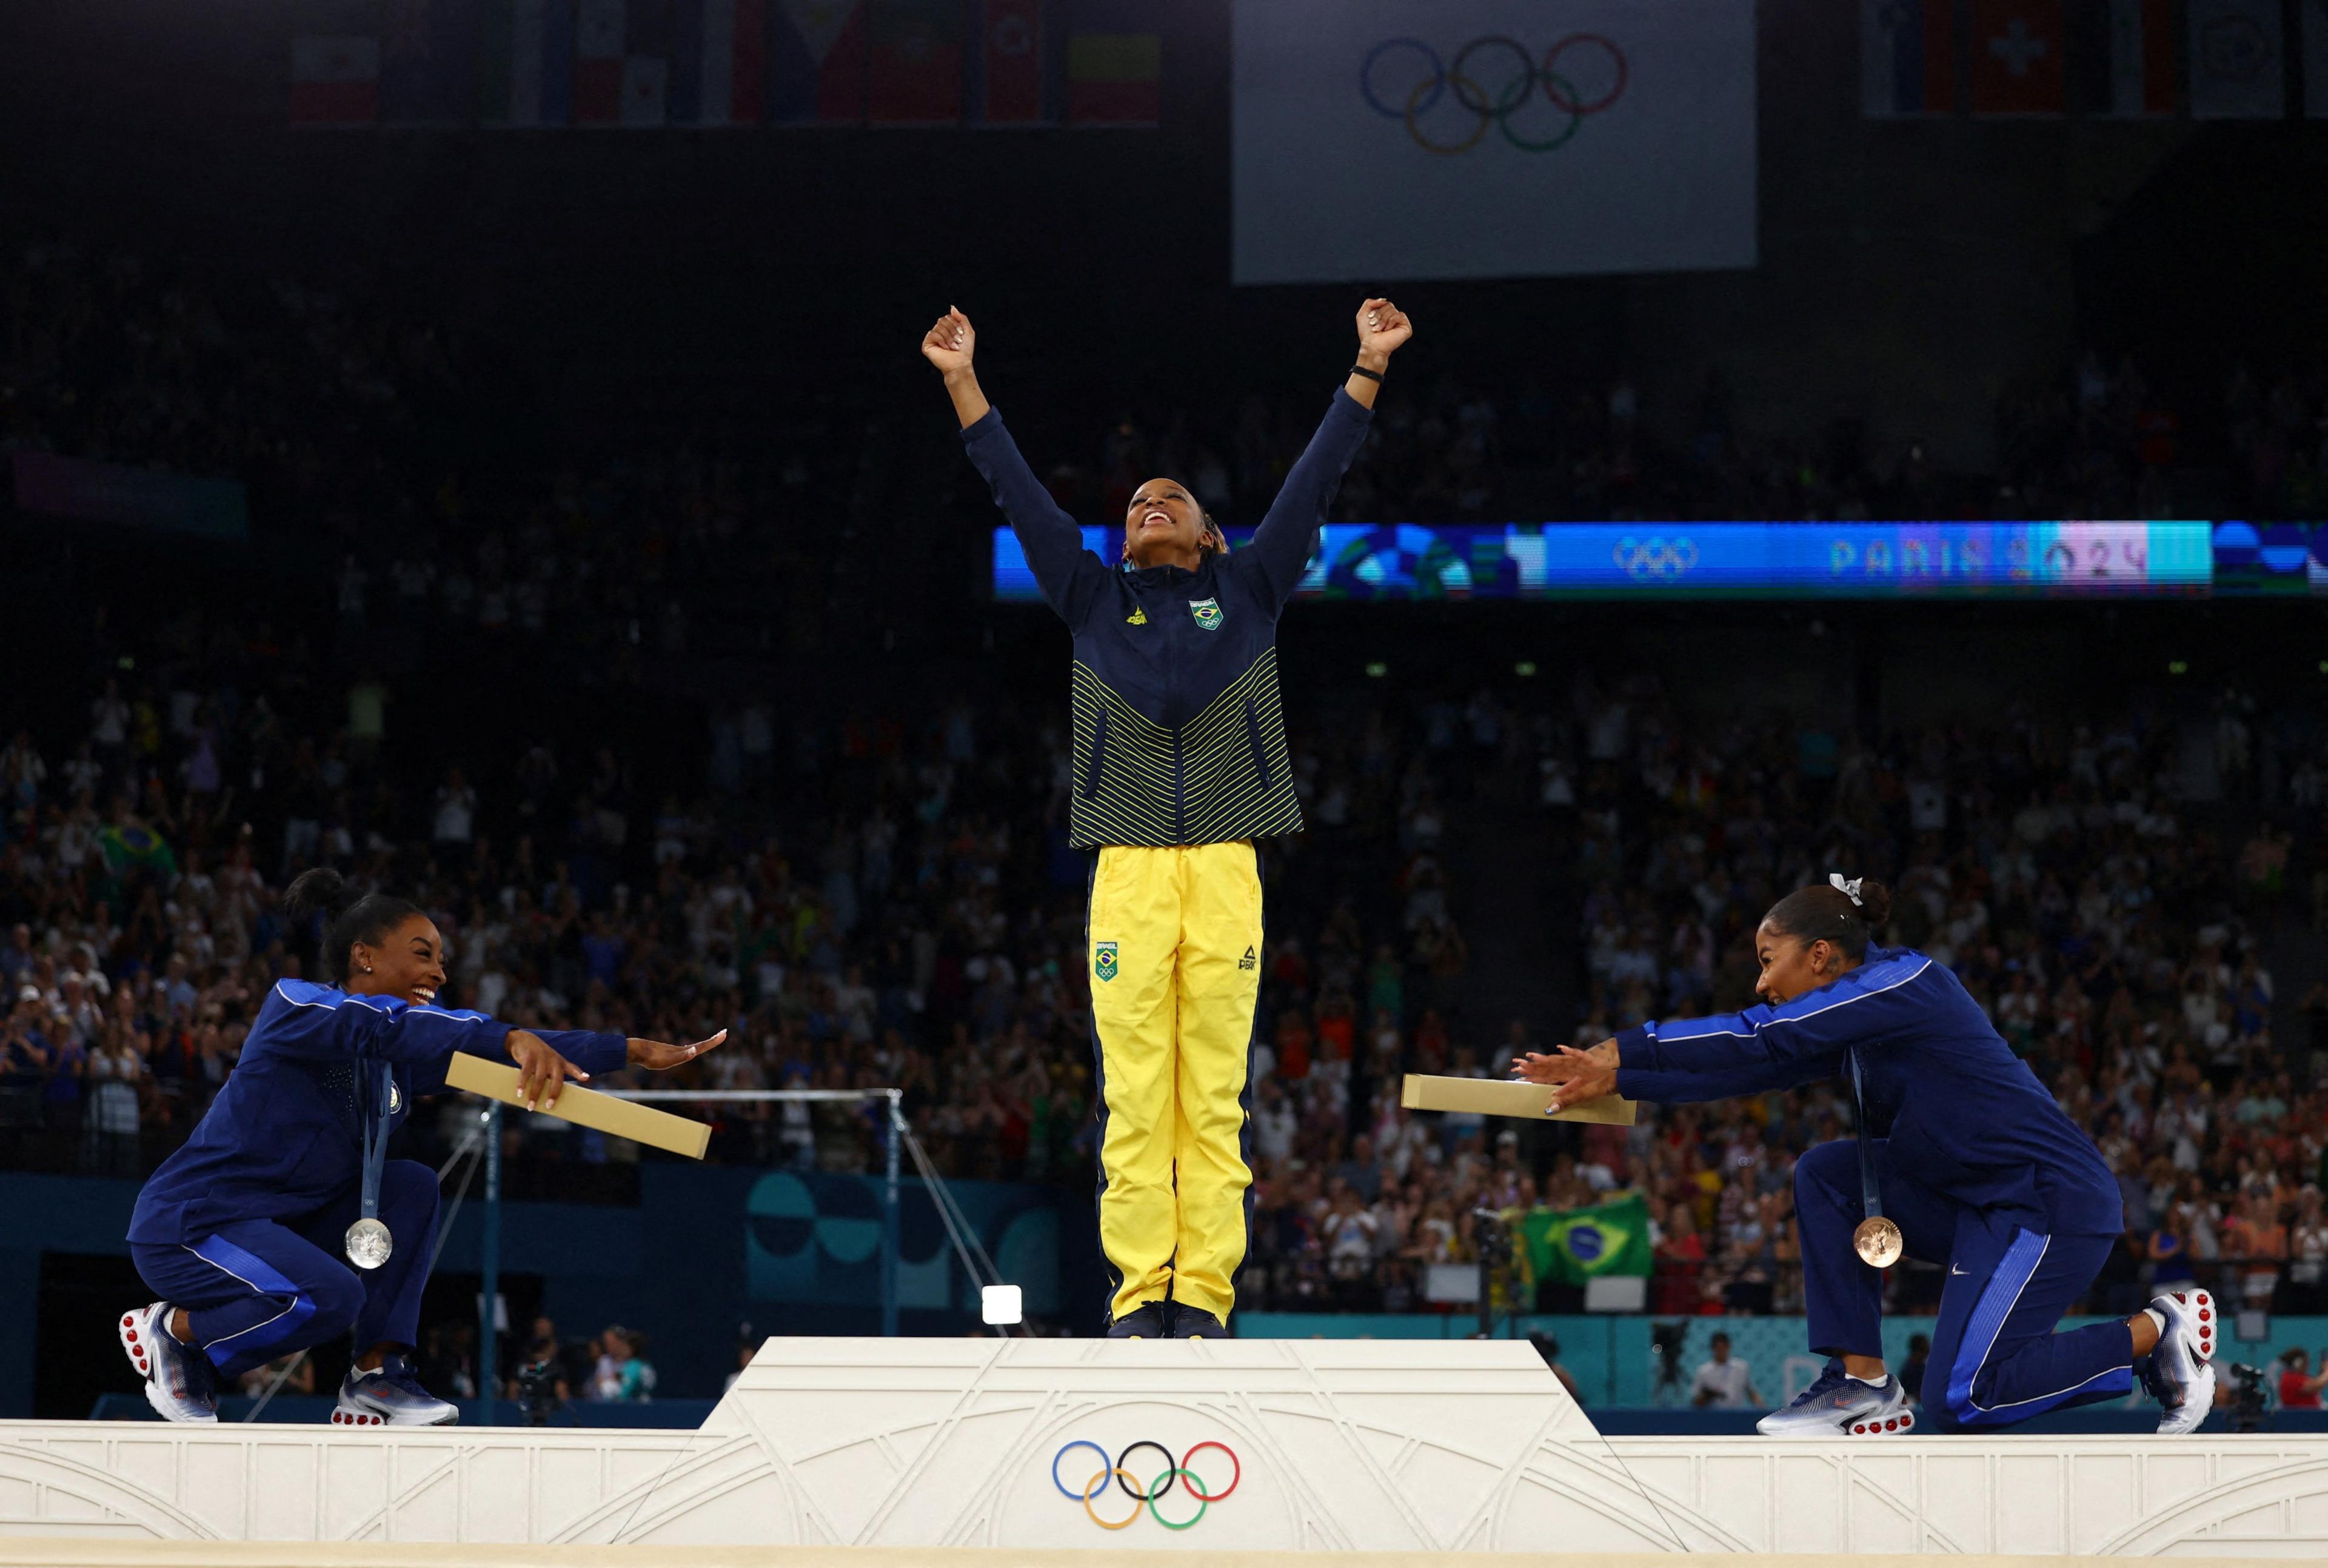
(1175, 939)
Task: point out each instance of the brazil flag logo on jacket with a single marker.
(1103, 960)
(1207, 613)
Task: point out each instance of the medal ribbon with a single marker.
(1870, 1194)
(375, 1109)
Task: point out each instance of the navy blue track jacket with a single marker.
(1970, 1120)
(1179, 731)
(283, 1137)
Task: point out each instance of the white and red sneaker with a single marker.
(1841, 1406)
(2181, 1375)
(390, 1395)
(179, 1382)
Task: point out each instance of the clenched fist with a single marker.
(950, 344)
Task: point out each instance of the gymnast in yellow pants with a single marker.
(1179, 768)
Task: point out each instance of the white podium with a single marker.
(1417, 1446)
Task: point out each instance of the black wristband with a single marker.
(1373, 376)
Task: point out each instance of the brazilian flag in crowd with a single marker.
(130, 844)
(1570, 1246)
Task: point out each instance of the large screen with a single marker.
(1751, 561)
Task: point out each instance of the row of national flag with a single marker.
(2110, 59)
(727, 62)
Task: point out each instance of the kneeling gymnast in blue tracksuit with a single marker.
(241, 1232)
(1982, 1172)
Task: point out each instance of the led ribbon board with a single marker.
(1758, 561)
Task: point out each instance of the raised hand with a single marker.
(950, 344)
(1382, 328)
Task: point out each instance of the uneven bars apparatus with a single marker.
(589, 1107)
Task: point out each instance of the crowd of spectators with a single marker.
(917, 921)
(2106, 923)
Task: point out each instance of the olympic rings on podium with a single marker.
(1235, 1476)
(1091, 1489)
(1162, 1483)
(1080, 1442)
(1117, 1474)
(1169, 1478)
(1497, 107)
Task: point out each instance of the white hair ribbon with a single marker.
(1848, 889)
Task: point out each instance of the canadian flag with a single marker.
(335, 81)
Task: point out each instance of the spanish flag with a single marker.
(1113, 77)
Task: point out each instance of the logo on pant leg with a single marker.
(1250, 961)
(1103, 960)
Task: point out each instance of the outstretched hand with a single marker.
(950, 344)
(1574, 1076)
(657, 1058)
(1382, 328)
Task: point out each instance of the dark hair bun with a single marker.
(322, 891)
(1874, 904)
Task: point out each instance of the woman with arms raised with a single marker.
(1179, 768)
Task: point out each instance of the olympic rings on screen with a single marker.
(1656, 558)
(1116, 1474)
(1432, 78)
(1616, 88)
(1090, 1489)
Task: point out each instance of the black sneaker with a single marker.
(1145, 1321)
(1193, 1323)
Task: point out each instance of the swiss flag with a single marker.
(2016, 57)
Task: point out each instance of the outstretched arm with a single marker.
(1283, 541)
(1069, 575)
(1742, 1053)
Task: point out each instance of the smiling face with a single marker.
(408, 961)
(1164, 526)
(1791, 966)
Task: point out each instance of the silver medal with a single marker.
(368, 1243)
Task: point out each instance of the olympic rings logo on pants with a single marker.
(1403, 79)
(1112, 1473)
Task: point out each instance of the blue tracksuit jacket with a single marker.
(283, 1139)
(1179, 733)
(1970, 1120)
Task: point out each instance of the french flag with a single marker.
(1906, 58)
(720, 68)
